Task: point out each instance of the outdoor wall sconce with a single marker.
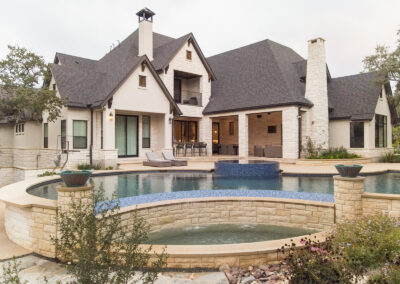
(170, 120)
(110, 115)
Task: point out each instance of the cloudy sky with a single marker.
(87, 28)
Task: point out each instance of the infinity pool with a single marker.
(224, 234)
(136, 184)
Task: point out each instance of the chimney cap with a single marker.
(316, 40)
(145, 13)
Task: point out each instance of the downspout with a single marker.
(91, 137)
(299, 131)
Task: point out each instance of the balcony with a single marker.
(188, 98)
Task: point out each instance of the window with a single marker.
(101, 130)
(63, 134)
(356, 134)
(45, 135)
(272, 129)
(178, 90)
(231, 128)
(19, 129)
(380, 131)
(188, 55)
(185, 131)
(146, 131)
(79, 134)
(54, 87)
(142, 81)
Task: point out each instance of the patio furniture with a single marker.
(271, 151)
(169, 156)
(203, 148)
(223, 150)
(189, 146)
(258, 151)
(180, 149)
(196, 149)
(154, 160)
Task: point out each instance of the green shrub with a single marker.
(110, 168)
(369, 241)
(389, 275)
(99, 248)
(390, 158)
(315, 263)
(47, 174)
(88, 167)
(312, 151)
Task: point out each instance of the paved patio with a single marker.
(34, 269)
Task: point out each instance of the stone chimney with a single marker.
(145, 40)
(317, 92)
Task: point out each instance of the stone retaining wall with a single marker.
(383, 203)
(31, 228)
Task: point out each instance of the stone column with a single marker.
(290, 133)
(348, 193)
(243, 135)
(205, 133)
(68, 195)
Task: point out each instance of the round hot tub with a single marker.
(248, 168)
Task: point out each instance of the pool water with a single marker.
(224, 234)
(134, 184)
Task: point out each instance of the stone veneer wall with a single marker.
(382, 203)
(31, 228)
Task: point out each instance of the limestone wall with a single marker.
(31, 228)
(383, 203)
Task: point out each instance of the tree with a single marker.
(99, 247)
(21, 72)
(387, 64)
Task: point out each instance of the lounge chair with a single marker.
(169, 156)
(153, 160)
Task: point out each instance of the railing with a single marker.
(189, 98)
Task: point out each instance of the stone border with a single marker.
(332, 162)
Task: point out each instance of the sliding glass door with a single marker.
(126, 135)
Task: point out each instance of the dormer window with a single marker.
(142, 81)
(188, 55)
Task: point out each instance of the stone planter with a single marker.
(75, 178)
(348, 171)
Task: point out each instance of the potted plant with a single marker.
(348, 171)
(75, 178)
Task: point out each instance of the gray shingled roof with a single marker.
(85, 81)
(353, 97)
(255, 76)
(267, 74)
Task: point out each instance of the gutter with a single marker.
(91, 136)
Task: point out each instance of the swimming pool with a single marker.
(140, 184)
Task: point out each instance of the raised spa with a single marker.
(224, 234)
(247, 168)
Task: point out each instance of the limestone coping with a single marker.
(325, 162)
(235, 249)
(357, 179)
(381, 196)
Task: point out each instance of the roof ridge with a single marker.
(80, 57)
(241, 47)
(359, 74)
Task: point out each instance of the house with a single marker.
(152, 91)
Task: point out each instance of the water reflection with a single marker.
(148, 183)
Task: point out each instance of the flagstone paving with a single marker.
(34, 269)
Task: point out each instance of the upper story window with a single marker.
(381, 94)
(142, 81)
(380, 131)
(188, 55)
(54, 87)
(356, 134)
(20, 129)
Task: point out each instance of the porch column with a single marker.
(243, 135)
(290, 133)
(205, 133)
(168, 131)
(109, 129)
